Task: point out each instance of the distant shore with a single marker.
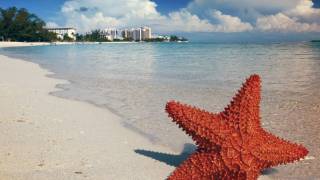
(4, 44)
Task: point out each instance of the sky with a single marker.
(199, 19)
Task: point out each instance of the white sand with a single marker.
(4, 44)
(20, 44)
(46, 137)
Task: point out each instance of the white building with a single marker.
(137, 34)
(140, 34)
(146, 33)
(130, 34)
(61, 32)
(126, 34)
(112, 34)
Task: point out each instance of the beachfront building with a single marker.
(146, 33)
(130, 34)
(61, 32)
(137, 34)
(125, 34)
(134, 34)
(112, 34)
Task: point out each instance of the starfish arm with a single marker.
(199, 166)
(274, 150)
(243, 111)
(204, 127)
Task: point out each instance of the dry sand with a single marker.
(20, 44)
(46, 137)
(4, 44)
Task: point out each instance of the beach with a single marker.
(46, 137)
(49, 137)
(4, 44)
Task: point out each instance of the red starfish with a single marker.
(231, 144)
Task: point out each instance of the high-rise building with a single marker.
(130, 34)
(146, 33)
(137, 35)
(125, 34)
(111, 34)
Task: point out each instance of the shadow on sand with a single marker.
(269, 171)
(170, 159)
(176, 160)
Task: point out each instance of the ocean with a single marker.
(135, 80)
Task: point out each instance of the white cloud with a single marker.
(302, 18)
(92, 14)
(265, 15)
(283, 23)
(246, 10)
(198, 16)
(184, 21)
(229, 23)
(86, 15)
(304, 11)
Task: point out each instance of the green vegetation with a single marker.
(93, 36)
(166, 40)
(127, 39)
(67, 38)
(172, 38)
(156, 40)
(20, 25)
(315, 40)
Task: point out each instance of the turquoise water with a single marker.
(135, 81)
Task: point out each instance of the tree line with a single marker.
(93, 36)
(20, 25)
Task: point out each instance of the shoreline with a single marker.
(8, 44)
(47, 137)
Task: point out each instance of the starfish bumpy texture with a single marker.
(231, 144)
